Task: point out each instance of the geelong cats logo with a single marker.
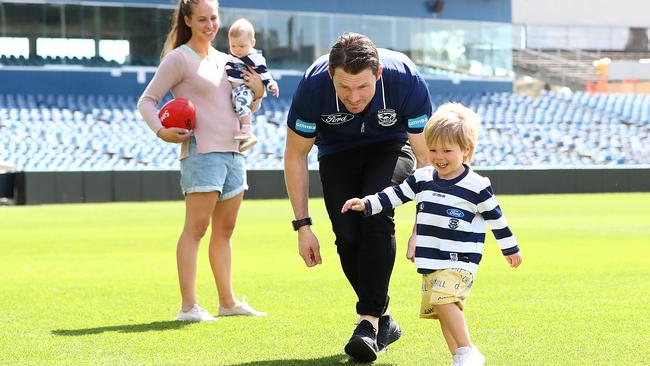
(386, 117)
(336, 118)
(453, 224)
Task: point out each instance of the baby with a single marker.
(241, 37)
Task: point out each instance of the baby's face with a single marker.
(241, 46)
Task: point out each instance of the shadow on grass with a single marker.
(129, 328)
(323, 361)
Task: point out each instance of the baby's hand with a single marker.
(514, 260)
(354, 204)
(275, 90)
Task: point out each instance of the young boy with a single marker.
(241, 37)
(453, 205)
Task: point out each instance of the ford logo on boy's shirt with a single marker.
(336, 118)
(455, 212)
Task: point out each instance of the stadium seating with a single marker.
(84, 133)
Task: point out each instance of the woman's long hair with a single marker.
(179, 32)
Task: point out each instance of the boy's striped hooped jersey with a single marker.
(451, 218)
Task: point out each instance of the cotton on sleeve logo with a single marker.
(308, 127)
(417, 122)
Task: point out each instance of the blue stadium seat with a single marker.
(77, 132)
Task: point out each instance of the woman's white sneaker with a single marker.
(240, 308)
(470, 356)
(195, 314)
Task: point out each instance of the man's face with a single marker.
(355, 90)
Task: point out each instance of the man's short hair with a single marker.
(354, 53)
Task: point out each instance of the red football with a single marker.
(178, 112)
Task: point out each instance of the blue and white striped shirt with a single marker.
(256, 60)
(451, 218)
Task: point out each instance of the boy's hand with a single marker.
(410, 251)
(275, 90)
(354, 204)
(514, 260)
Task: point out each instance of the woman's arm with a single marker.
(168, 74)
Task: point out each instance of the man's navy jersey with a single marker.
(401, 104)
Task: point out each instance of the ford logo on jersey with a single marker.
(240, 66)
(337, 118)
(455, 212)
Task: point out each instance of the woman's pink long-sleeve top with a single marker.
(205, 83)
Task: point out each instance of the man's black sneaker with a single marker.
(362, 346)
(388, 333)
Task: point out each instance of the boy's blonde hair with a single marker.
(241, 27)
(453, 123)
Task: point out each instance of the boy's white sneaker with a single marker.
(240, 308)
(455, 360)
(470, 356)
(195, 314)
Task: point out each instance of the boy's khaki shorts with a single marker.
(444, 286)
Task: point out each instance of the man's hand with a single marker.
(308, 247)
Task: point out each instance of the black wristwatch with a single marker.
(297, 224)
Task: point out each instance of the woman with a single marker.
(213, 173)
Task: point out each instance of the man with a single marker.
(361, 107)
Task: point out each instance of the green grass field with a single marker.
(95, 284)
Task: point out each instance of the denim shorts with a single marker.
(224, 172)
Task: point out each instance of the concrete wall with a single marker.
(628, 70)
(122, 186)
(7, 183)
(630, 87)
(78, 187)
(626, 13)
